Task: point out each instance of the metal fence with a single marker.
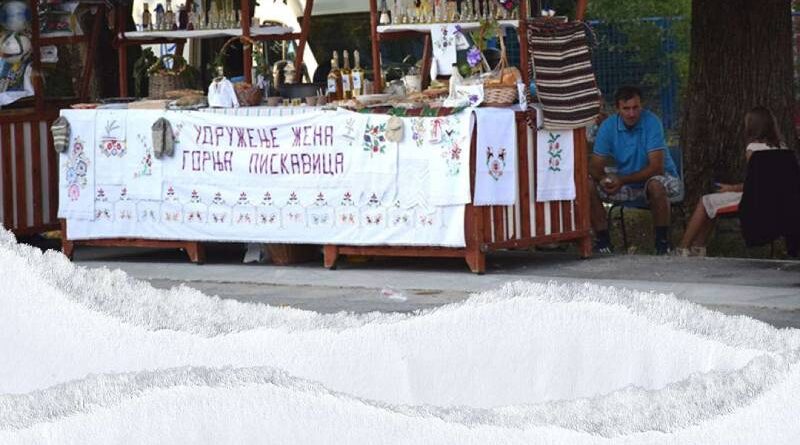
(645, 53)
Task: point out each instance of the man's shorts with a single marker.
(673, 185)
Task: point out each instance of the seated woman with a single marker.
(761, 133)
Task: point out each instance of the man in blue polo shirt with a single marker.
(634, 139)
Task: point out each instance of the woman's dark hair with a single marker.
(760, 125)
(625, 93)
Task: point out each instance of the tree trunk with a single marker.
(741, 56)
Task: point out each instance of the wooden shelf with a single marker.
(207, 33)
(60, 38)
(426, 27)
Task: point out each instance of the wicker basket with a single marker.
(500, 95)
(163, 79)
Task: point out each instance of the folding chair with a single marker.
(676, 203)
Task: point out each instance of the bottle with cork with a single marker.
(358, 75)
(147, 18)
(347, 77)
(335, 79)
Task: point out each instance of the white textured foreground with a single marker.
(95, 357)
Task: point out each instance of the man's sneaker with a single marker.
(603, 246)
(663, 248)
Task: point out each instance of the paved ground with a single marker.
(762, 289)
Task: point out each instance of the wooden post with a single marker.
(247, 51)
(122, 58)
(580, 9)
(377, 82)
(37, 58)
(90, 48)
(305, 28)
(522, 34)
(582, 192)
(427, 59)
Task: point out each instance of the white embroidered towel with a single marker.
(143, 172)
(111, 146)
(76, 167)
(443, 38)
(448, 150)
(496, 157)
(555, 167)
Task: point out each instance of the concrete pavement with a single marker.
(768, 290)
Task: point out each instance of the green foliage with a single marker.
(617, 11)
(140, 72)
(645, 39)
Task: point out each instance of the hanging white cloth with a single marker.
(496, 157)
(76, 177)
(222, 94)
(443, 39)
(555, 167)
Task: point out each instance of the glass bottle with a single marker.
(183, 17)
(159, 17)
(358, 75)
(289, 73)
(384, 18)
(169, 16)
(147, 18)
(347, 79)
(334, 79)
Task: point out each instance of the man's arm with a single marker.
(655, 166)
(597, 167)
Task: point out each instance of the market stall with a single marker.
(37, 35)
(417, 171)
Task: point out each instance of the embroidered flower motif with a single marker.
(554, 152)
(77, 169)
(496, 162)
(375, 139)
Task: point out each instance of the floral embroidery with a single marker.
(425, 220)
(554, 151)
(374, 201)
(375, 139)
(347, 199)
(496, 162)
(110, 145)
(347, 218)
(350, 131)
(448, 39)
(146, 163)
(77, 168)
(102, 212)
(418, 131)
(267, 199)
(319, 219)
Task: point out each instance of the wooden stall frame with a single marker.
(28, 163)
(194, 249)
(484, 226)
(122, 42)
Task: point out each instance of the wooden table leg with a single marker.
(196, 252)
(476, 260)
(585, 247)
(331, 254)
(67, 247)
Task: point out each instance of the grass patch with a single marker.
(725, 241)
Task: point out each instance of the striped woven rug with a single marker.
(565, 82)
